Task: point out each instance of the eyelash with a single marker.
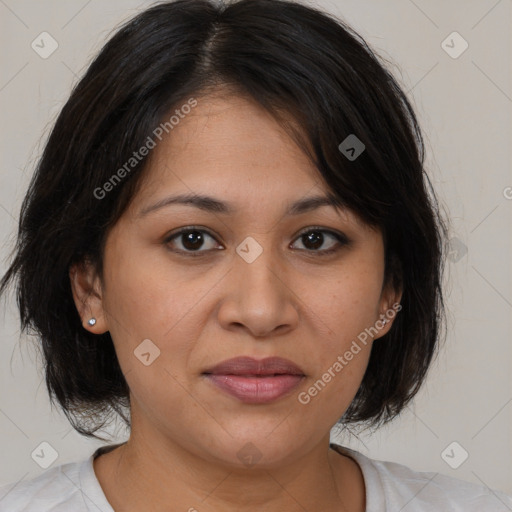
(341, 238)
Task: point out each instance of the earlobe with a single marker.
(87, 295)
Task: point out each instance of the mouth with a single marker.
(255, 381)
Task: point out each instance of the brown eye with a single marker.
(193, 240)
(190, 240)
(315, 238)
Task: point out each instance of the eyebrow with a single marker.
(213, 205)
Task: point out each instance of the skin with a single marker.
(290, 302)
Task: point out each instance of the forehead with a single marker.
(232, 136)
(229, 144)
(230, 148)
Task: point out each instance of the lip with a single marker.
(256, 381)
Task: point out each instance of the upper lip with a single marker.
(250, 366)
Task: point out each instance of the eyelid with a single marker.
(338, 234)
(169, 236)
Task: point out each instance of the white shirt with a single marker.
(390, 487)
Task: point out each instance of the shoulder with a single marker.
(53, 490)
(391, 486)
(72, 486)
(435, 491)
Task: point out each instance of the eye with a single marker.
(314, 238)
(191, 239)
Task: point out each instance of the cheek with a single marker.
(144, 291)
(150, 298)
(340, 360)
(150, 309)
(345, 302)
(343, 309)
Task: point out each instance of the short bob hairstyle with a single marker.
(320, 80)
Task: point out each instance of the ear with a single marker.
(87, 294)
(389, 309)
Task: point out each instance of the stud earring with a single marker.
(92, 321)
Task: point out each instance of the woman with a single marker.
(231, 242)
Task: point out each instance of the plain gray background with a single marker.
(464, 105)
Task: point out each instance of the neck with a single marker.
(138, 476)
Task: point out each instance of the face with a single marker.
(247, 276)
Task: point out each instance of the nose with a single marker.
(259, 297)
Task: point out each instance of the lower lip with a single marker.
(256, 390)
